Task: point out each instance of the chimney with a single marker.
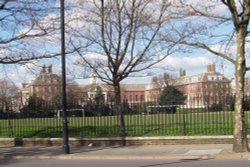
(50, 68)
(211, 68)
(24, 85)
(43, 69)
(182, 72)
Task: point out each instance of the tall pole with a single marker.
(64, 100)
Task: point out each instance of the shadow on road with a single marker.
(175, 162)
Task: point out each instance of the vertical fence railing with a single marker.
(141, 119)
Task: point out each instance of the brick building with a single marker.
(201, 90)
(133, 93)
(46, 86)
(204, 89)
(153, 91)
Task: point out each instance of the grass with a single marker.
(207, 123)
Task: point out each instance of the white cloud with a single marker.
(177, 62)
(192, 64)
(215, 7)
(17, 74)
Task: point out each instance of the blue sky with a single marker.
(194, 62)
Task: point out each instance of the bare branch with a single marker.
(128, 31)
(204, 46)
(24, 24)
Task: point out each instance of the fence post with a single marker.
(184, 122)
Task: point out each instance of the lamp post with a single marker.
(66, 148)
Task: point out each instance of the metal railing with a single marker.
(101, 120)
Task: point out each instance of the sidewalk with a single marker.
(183, 152)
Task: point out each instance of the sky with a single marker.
(194, 62)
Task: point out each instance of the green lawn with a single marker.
(210, 123)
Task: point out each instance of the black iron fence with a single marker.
(141, 119)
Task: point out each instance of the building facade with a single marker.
(133, 93)
(46, 86)
(205, 89)
(201, 90)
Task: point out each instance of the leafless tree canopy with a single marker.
(162, 81)
(209, 25)
(8, 93)
(23, 24)
(7, 89)
(124, 35)
(220, 27)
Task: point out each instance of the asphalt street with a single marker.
(205, 155)
(126, 163)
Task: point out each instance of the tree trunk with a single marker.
(119, 109)
(240, 143)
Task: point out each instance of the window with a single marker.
(37, 89)
(136, 97)
(130, 98)
(142, 98)
(55, 81)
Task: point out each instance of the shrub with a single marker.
(216, 107)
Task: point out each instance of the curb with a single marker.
(126, 157)
(160, 140)
(70, 157)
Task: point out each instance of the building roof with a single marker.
(203, 77)
(43, 79)
(133, 87)
(93, 87)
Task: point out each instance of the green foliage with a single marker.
(6, 115)
(216, 107)
(97, 106)
(99, 99)
(171, 96)
(246, 105)
(37, 108)
(95, 109)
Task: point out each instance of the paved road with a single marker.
(129, 156)
(126, 163)
(128, 152)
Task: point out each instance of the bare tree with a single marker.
(23, 25)
(220, 27)
(163, 80)
(123, 33)
(8, 95)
